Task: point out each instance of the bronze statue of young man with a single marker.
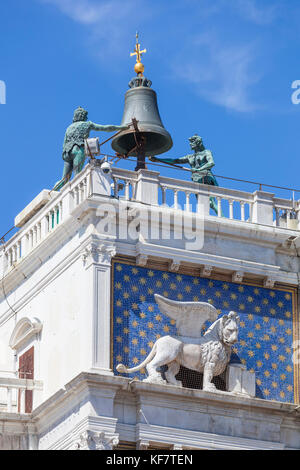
(73, 147)
(201, 162)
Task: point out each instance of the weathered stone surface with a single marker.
(33, 207)
(240, 381)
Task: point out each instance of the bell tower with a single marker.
(147, 136)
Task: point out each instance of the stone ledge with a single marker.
(123, 384)
(218, 397)
(33, 207)
(164, 414)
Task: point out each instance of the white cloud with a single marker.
(261, 15)
(84, 11)
(107, 23)
(222, 74)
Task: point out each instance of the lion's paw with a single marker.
(210, 387)
(155, 380)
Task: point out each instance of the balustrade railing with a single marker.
(151, 188)
(13, 394)
(230, 204)
(196, 199)
(46, 220)
(124, 184)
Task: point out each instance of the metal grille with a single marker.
(193, 379)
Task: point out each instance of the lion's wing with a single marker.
(189, 316)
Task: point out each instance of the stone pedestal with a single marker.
(147, 187)
(240, 381)
(263, 208)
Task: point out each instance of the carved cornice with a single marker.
(238, 276)
(177, 447)
(91, 440)
(269, 282)
(141, 260)
(174, 265)
(206, 270)
(142, 444)
(96, 253)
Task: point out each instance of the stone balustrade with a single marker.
(13, 393)
(47, 219)
(124, 182)
(148, 187)
(259, 207)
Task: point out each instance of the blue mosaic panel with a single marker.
(265, 331)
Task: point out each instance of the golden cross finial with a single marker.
(139, 68)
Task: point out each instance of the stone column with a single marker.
(97, 258)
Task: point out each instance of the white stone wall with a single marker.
(64, 281)
(62, 348)
(163, 416)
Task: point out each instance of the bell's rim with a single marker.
(165, 145)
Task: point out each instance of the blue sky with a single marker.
(222, 68)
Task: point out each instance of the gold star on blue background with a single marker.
(266, 330)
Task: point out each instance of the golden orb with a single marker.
(139, 68)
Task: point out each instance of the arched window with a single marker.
(23, 331)
(21, 341)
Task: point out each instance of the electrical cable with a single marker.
(165, 165)
(179, 167)
(2, 239)
(2, 280)
(157, 164)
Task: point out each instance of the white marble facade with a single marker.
(56, 297)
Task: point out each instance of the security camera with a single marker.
(106, 167)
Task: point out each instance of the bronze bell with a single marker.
(141, 105)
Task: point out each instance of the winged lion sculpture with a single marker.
(208, 353)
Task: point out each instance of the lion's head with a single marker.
(228, 331)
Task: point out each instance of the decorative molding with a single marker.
(177, 447)
(196, 259)
(91, 440)
(174, 265)
(203, 440)
(98, 254)
(206, 270)
(24, 330)
(90, 253)
(142, 444)
(238, 414)
(141, 260)
(269, 238)
(101, 317)
(269, 282)
(238, 276)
